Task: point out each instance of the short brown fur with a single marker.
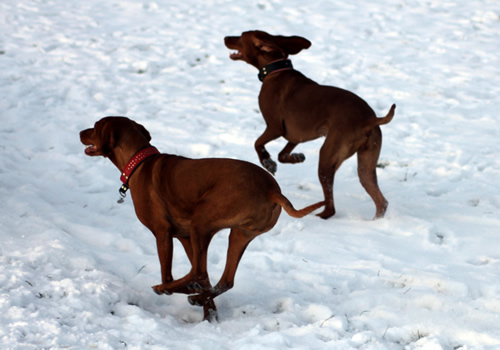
(191, 200)
(300, 110)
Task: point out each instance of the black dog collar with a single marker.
(274, 67)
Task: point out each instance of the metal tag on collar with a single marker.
(273, 67)
(123, 193)
(262, 74)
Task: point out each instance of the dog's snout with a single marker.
(82, 133)
(231, 41)
(85, 132)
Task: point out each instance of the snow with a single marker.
(76, 267)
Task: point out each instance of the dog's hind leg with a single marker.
(330, 159)
(238, 242)
(197, 279)
(206, 300)
(193, 287)
(200, 238)
(367, 164)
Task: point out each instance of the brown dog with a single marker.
(190, 200)
(298, 109)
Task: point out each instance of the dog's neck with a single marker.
(121, 155)
(137, 159)
(276, 66)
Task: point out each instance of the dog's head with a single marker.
(259, 48)
(110, 132)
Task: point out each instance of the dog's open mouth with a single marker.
(90, 149)
(236, 55)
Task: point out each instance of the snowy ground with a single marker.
(76, 267)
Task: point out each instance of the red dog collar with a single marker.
(136, 160)
(132, 164)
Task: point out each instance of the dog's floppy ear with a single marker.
(292, 45)
(268, 45)
(143, 130)
(285, 45)
(265, 42)
(108, 139)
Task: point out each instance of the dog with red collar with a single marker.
(190, 200)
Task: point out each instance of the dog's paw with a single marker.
(196, 300)
(211, 315)
(381, 209)
(327, 213)
(270, 165)
(207, 302)
(210, 310)
(297, 157)
(194, 287)
(160, 289)
(291, 158)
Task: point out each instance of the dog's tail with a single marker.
(285, 204)
(387, 118)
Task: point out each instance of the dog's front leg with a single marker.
(286, 157)
(197, 285)
(164, 245)
(197, 279)
(264, 157)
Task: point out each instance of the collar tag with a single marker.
(132, 164)
(123, 193)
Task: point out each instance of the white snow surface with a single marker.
(76, 268)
